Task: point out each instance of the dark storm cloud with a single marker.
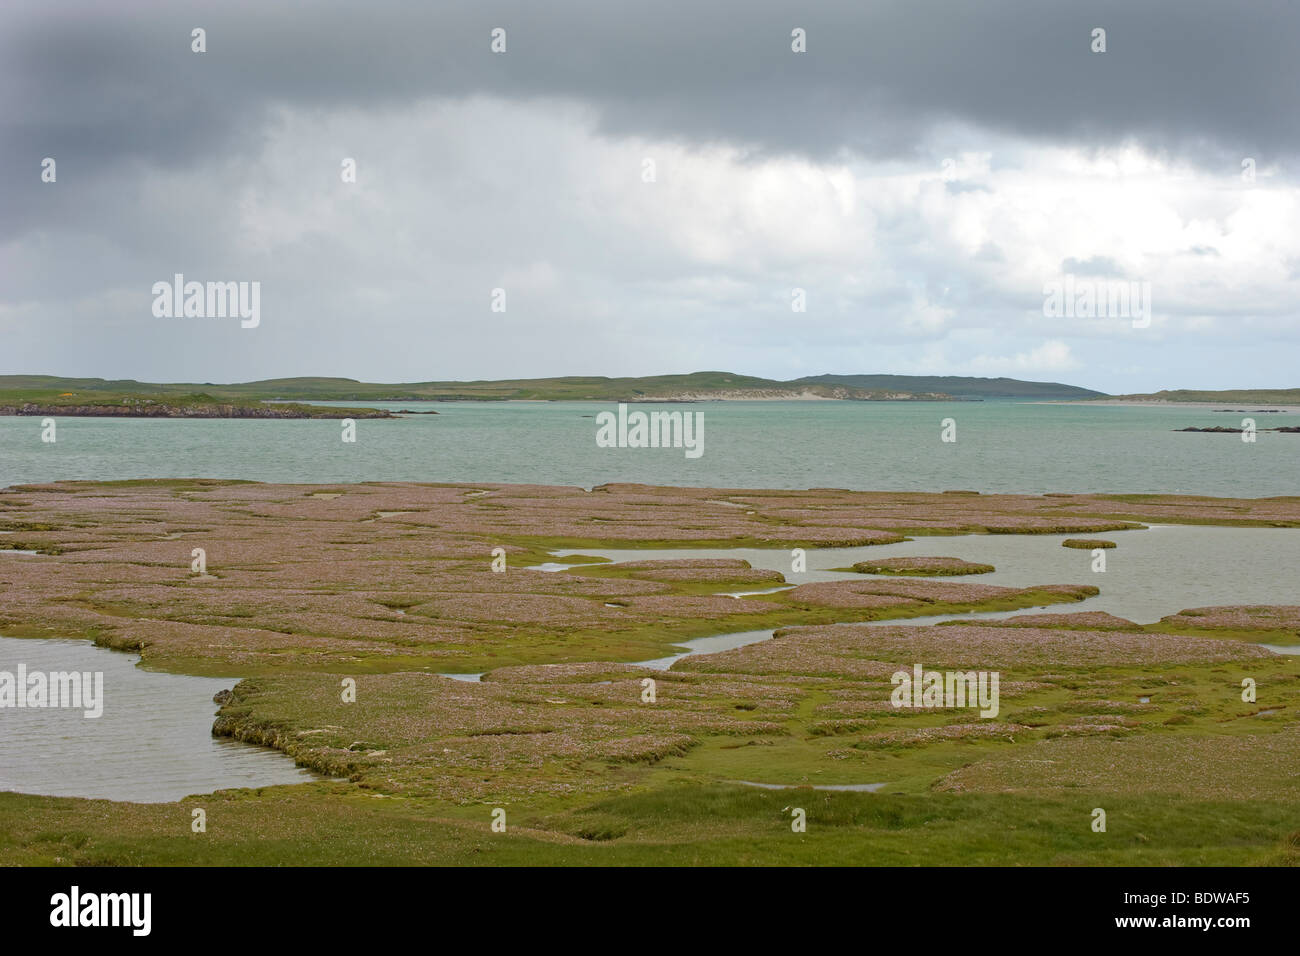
(479, 171)
(105, 83)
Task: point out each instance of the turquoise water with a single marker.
(1001, 446)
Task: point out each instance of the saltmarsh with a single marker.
(303, 590)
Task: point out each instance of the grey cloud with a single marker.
(153, 141)
(1208, 77)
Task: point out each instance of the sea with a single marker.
(995, 446)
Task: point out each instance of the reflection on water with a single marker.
(153, 743)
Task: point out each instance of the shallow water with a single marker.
(708, 645)
(1153, 572)
(153, 743)
(743, 594)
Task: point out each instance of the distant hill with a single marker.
(961, 386)
(1249, 396)
(696, 386)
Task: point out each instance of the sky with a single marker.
(649, 188)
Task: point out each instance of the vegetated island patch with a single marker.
(720, 570)
(199, 407)
(1240, 617)
(1270, 624)
(1078, 620)
(1087, 544)
(922, 566)
(935, 597)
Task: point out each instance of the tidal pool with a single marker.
(152, 744)
(1154, 571)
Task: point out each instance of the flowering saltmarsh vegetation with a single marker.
(912, 566)
(337, 610)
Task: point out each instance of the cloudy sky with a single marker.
(922, 172)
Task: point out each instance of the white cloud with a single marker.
(1047, 359)
(907, 267)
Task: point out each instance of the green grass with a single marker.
(333, 825)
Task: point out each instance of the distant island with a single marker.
(963, 386)
(287, 397)
(1248, 396)
(693, 387)
(90, 403)
(291, 397)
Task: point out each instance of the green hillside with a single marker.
(57, 390)
(961, 386)
(1248, 396)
